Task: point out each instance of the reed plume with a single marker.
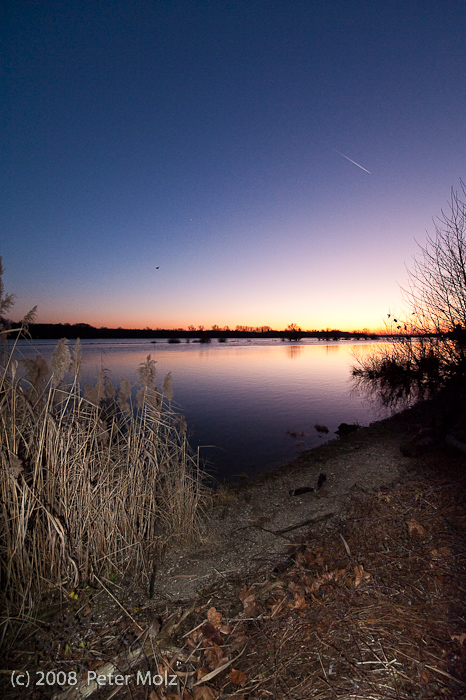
(167, 389)
(36, 374)
(60, 362)
(124, 394)
(76, 360)
(146, 372)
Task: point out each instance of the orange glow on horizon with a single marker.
(141, 322)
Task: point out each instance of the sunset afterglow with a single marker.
(187, 163)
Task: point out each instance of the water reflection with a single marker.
(294, 350)
(256, 402)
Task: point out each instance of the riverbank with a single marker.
(355, 589)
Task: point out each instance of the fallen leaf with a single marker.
(305, 558)
(414, 527)
(211, 633)
(246, 593)
(203, 692)
(425, 676)
(360, 576)
(95, 664)
(194, 638)
(154, 696)
(214, 656)
(458, 638)
(299, 602)
(339, 574)
(237, 677)
(248, 597)
(214, 617)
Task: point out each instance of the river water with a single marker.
(251, 405)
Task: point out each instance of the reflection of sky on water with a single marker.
(244, 398)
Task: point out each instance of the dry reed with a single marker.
(89, 484)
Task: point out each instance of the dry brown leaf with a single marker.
(214, 656)
(214, 617)
(360, 576)
(299, 602)
(194, 638)
(154, 695)
(95, 664)
(458, 638)
(244, 592)
(305, 558)
(248, 597)
(339, 574)
(275, 606)
(203, 692)
(237, 677)
(319, 556)
(201, 672)
(239, 640)
(415, 528)
(211, 633)
(425, 676)
(319, 581)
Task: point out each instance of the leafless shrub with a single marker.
(427, 352)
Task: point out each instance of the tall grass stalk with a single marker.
(89, 484)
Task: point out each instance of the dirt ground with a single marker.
(355, 589)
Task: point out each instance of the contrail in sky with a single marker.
(351, 161)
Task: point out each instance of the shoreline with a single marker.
(263, 510)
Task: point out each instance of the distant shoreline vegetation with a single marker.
(55, 331)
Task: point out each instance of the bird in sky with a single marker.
(352, 161)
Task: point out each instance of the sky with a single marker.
(232, 162)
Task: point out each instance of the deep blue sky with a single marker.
(202, 137)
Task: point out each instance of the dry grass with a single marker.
(367, 607)
(89, 484)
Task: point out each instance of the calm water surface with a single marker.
(244, 398)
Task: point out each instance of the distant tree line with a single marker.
(43, 331)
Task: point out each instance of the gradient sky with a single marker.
(205, 138)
